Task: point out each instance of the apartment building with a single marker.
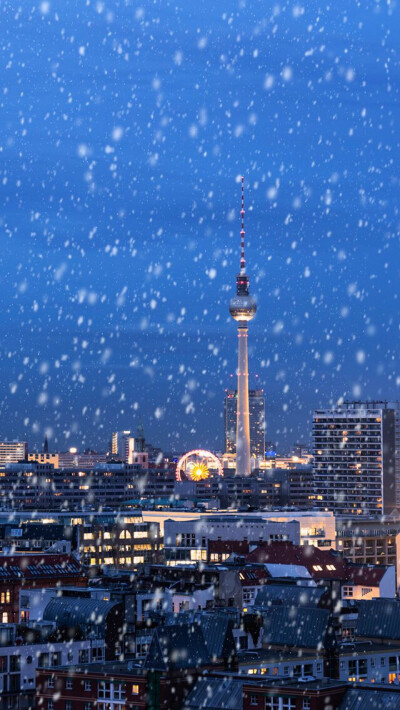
(355, 458)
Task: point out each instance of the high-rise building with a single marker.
(12, 452)
(122, 445)
(242, 308)
(128, 448)
(257, 422)
(355, 458)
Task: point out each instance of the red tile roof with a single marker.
(220, 547)
(321, 564)
(38, 566)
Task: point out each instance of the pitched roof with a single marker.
(78, 612)
(321, 564)
(290, 594)
(253, 576)
(241, 547)
(215, 694)
(371, 698)
(41, 566)
(177, 647)
(378, 618)
(216, 627)
(217, 632)
(300, 627)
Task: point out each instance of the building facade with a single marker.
(257, 422)
(355, 458)
(187, 541)
(12, 451)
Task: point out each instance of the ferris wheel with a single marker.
(197, 465)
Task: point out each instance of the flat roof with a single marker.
(104, 668)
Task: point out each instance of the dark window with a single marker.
(15, 663)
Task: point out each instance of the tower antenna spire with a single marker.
(242, 233)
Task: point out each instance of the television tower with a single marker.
(242, 308)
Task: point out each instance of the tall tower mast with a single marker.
(242, 308)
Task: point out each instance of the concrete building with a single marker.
(257, 422)
(12, 451)
(40, 486)
(372, 542)
(316, 527)
(129, 448)
(122, 544)
(355, 458)
(187, 542)
(121, 541)
(25, 649)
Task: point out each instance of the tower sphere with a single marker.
(242, 308)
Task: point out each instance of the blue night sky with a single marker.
(124, 128)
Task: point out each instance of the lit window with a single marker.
(135, 690)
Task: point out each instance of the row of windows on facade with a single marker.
(189, 539)
(124, 535)
(111, 560)
(105, 689)
(297, 671)
(280, 702)
(118, 550)
(45, 660)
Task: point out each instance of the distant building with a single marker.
(25, 648)
(12, 451)
(301, 450)
(128, 448)
(44, 458)
(186, 541)
(88, 459)
(257, 422)
(121, 444)
(21, 571)
(355, 451)
(41, 486)
(122, 545)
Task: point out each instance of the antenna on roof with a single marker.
(242, 233)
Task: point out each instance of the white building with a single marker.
(12, 452)
(192, 536)
(315, 527)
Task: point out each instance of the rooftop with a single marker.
(321, 564)
(36, 566)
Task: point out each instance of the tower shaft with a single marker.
(243, 415)
(242, 308)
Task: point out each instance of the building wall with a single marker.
(372, 666)
(82, 688)
(12, 451)
(124, 545)
(292, 698)
(27, 658)
(193, 535)
(257, 422)
(354, 459)
(372, 544)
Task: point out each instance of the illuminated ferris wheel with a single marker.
(197, 465)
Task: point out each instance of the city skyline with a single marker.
(197, 513)
(116, 296)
